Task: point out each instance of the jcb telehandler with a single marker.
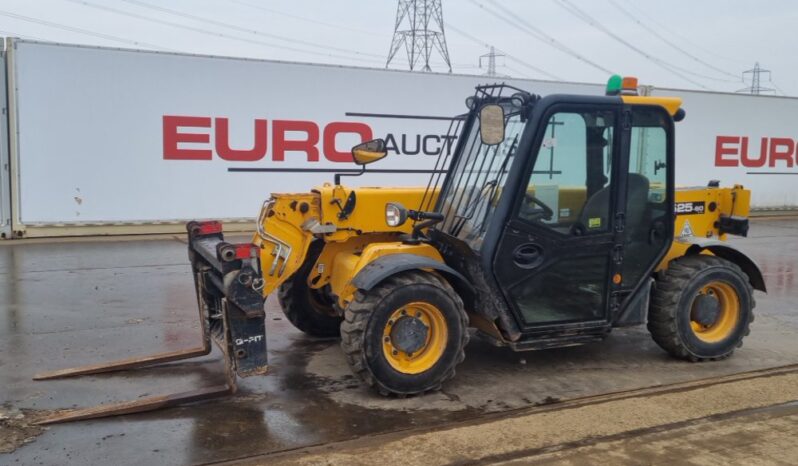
(556, 221)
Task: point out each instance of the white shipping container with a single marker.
(106, 136)
(5, 168)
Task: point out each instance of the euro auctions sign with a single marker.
(312, 140)
(272, 140)
(735, 151)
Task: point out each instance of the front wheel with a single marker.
(406, 335)
(310, 310)
(702, 308)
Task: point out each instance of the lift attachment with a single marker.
(227, 279)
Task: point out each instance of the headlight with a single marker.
(395, 214)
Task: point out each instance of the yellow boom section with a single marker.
(346, 219)
(368, 213)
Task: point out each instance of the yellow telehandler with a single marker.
(552, 221)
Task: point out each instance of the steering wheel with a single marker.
(546, 214)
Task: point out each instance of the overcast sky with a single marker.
(686, 44)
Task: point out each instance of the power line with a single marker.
(243, 29)
(672, 44)
(674, 33)
(580, 14)
(78, 30)
(509, 57)
(211, 33)
(309, 20)
(314, 21)
(543, 72)
(9, 34)
(778, 88)
(537, 33)
(138, 43)
(517, 72)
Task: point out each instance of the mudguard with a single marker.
(385, 266)
(730, 253)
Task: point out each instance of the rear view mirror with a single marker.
(369, 151)
(491, 124)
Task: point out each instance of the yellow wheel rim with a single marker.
(425, 352)
(728, 315)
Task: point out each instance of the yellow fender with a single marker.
(378, 261)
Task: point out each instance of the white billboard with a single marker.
(111, 135)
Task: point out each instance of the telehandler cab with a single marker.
(557, 221)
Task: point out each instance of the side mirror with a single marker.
(369, 151)
(491, 124)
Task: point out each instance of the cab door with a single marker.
(559, 248)
(646, 201)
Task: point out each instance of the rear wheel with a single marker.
(406, 335)
(309, 309)
(702, 308)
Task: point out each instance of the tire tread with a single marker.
(356, 317)
(662, 315)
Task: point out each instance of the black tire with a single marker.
(310, 310)
(366, 317)
(672, 305)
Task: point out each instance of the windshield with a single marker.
(475, 182)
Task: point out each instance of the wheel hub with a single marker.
(409, 334)
(414, 337)
(706, 309)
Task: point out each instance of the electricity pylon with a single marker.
(756, 81)
(419, 28)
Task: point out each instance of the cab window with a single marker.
(569, 188)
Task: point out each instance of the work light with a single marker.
(395, 214)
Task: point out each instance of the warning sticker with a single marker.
(687, 230)
(594, 222)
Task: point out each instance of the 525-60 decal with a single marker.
(689, 208)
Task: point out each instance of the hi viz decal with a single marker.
(189, 138)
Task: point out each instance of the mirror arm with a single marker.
(429, 219)
(337, 177)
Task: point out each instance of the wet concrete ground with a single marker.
(765, 436)
(72, 303)
(614, 429)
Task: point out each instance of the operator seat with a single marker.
(598, 205)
